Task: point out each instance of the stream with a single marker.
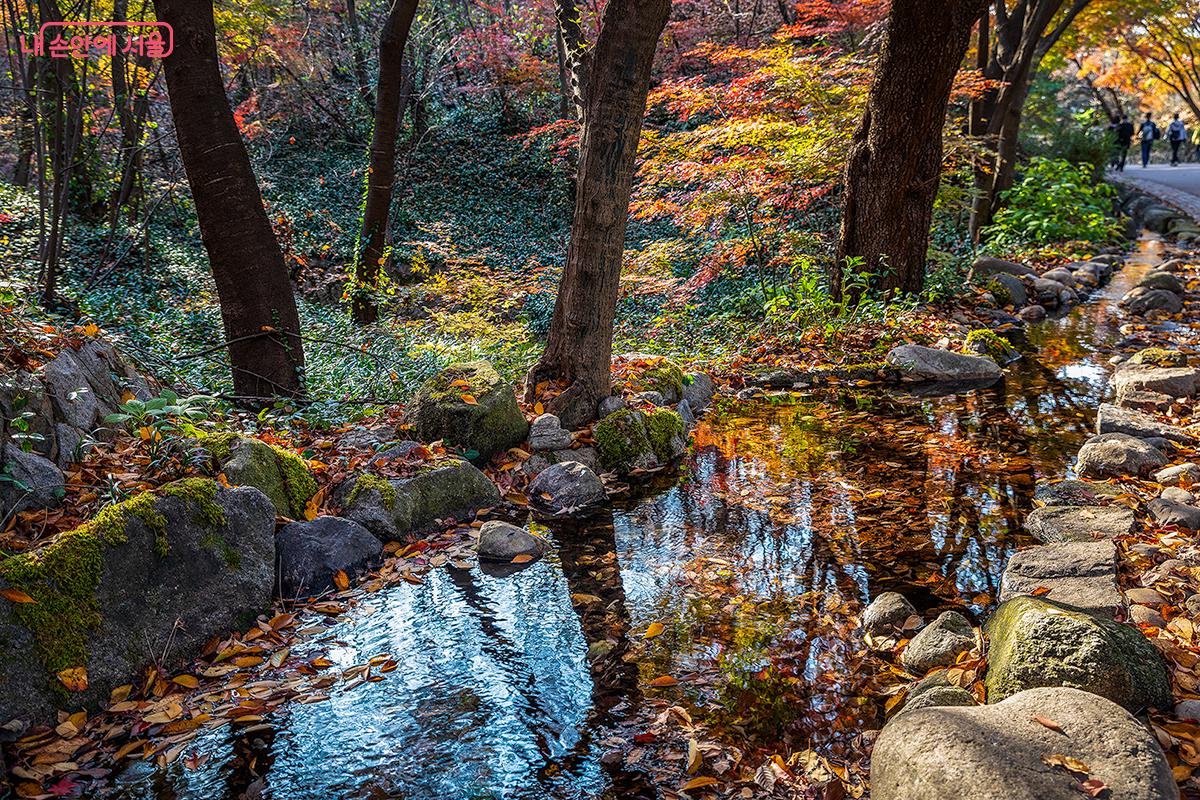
(791, 514)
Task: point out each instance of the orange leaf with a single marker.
(1049, 723)
(697, 783)
(16, 596)
(74, 678)
(538, 408)
(522, 558)
(341, 580)
(663, 681)
(469, 400)
(655, 629)
(187, 681)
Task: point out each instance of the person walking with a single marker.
(1124, 136)
(1176, 135)
(1148, 132)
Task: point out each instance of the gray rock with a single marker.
(391, 508)
(1145, 597)
(566, 489)
(1188, 709)
(1033, 313)
(75, 401)
(32, 481)
(1192, 604)
(1036, 642)
(1109, 259)
(986, 266)
(1115, 419)
(502, 542)
(655, 399)
(610, 405)
(68, 445)
(887, 613)
(247, 461)
(939, 643)
(684, 410)
(1048, 293)
(1158, 218)
(698, 390)
(1141, 301)
(491, 424)
(546, 433)
(1161, 280)
(775, 377)
(1173, 476)
(1009, 285)
(1144, 401)
(1073, 492)
(917, 363)
(400, 450)
(1061, 275)
(938, 696)
(1143, 615)
(1167, 511)
(1171, 381)
(630, 440)
(21, 393)
(1116, 455)
(310, 554)
(1079, 574)
(1173, 265)
(1177, 494)
(1052, 524)
(998, 752)
(150, 582)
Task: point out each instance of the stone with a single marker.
(281, 476)
(69, 445)
(1192, 604)
(1109, 259)
(1161, 280)
(887, 613)
(75, 401)
(1009, 290)
(546, 433)
(629, 439)
(23, 395)
(646, 372)
(1063, 276)
(1144, 401)
(1169, 511)
(917, 363)
(775, 377)
(684, 410)
(392, 508)
(939, 643)
(1117, 455)
(30, 481)
(998, 751)
(986, 266)
(502, 542)
(610, 405)
(1032, 313)
(1145, 597)
(149, 580)
(655, 399)
(1079, 574)
(397, 452)
(1141, 301)
(1172, 265)
(1115, 419)
(1188, 709)
(471, 407)
(310, 554)
(1074, 492)
(1144, 615)
(566, 489)
(1158, 357)
(1171, 381)
(1051, 524)
(939, 696)
(698, 390)
(1158, 218)
(1174, 476)
(1037, 642)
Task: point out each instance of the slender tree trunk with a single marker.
(258, 308)
(574, 49)
(574, 368)
(381, 177)
(896, 157)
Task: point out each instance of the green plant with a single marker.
(807, 300)
(165, 426)
(1055, 201)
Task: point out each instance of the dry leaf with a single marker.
(1072, 764)
(469, 400)
(663, 681)
(1049, 723)
(74, 678)
(16, 596)
(698, 783)
(522, 558)
(341, 580)
(694, 757)
(187, 681)
(1093, 787)
(655, 629)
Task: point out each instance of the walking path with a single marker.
(1179, 186)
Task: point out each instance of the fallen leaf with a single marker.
(1093, 787)
(341, 580)
(187, 681)
(16, 596)
(522, 558)
(1068, 762)
(74, 678)
(655, 629)
(469, 399)
(698, 783)
(695, 758)
(1049, 723)
(663, 681)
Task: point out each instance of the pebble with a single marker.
(1145, 597)
(1145, 615)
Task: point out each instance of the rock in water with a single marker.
(1036, 642)
(698, 390)
(1033, 313)
(917, 363)
(627, 440)
(1079, 574)
(1000, 751)
(1115, 419)
(502, 542)
(310, 554)
(566, 489)
(1075, 493)
(939, 644)
(1171, 381)
(393, 507)
(1118, 455)
(1142, 301)
(1079, 523)
(886, 613)
(1161, 279)
(470, 406)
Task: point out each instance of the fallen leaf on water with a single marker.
(1049, 723)
(16, 596)
(655, 629)
(664, 681)
(74, 678)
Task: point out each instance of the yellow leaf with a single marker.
(16, 596)
(91, 329)
(186, 681)
(1073, 764)
(74, 678)
(340, 579)
(469, 400)
(695, 758)
(314, 505)
(697, 783)
(538, 408)
(655, 629)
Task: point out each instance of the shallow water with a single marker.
(793, 512)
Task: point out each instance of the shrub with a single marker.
(1055, 201)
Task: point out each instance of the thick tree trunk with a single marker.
(257, 305)
(573, 372)
(896, 157)
(381, 177)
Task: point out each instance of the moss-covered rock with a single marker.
(160, 573)
(987, 343)
(652, 373)
(628, 439)
(468, 406)
(1159, 357)
(281, 475)
(391, 508)
(1035, 642)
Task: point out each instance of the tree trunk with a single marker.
(575, 365)
(258, 309)
(573, 46)
(896, 157)
(381, 177)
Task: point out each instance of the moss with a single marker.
(621, 438)
(663, 376)
(297, 480)
(990, 344)
(215, 541)
(202, 494)
(480, 378)
(219, 444)
(367, 483)
(663, 425)
(1000, 292)
(1159, 357)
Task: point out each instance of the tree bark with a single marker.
(258, 309)
(896, 156)
(573, 47)
(573, 372)
(381, 177)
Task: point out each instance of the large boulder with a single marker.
(566, 489)
(1171, 381)
(1073, 492)
(1117, 419)
(468, 406)
(391, 508)
(1159, 218)
(147, 581)
(698, 390)
(939, 643)
(629, 440)
(1161, 279)
(1037, 642)
(986, 266)
(1158, 357)
(1009, 290)
(1079, 523)
(309, 555)
(920, 364)
(28, 480)
(1117, 455)
(1142, 301)
(645, 372)
(280, 475)
(936, 690)
(1078, 574)
(547, 433)
(86, 385)
(1004, 752)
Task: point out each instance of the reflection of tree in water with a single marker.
(253, 754)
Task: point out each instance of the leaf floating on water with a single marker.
(1049, 723)
(1067, 762)
(655, 629)
(663, 681)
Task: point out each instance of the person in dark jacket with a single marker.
(1124, 136)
